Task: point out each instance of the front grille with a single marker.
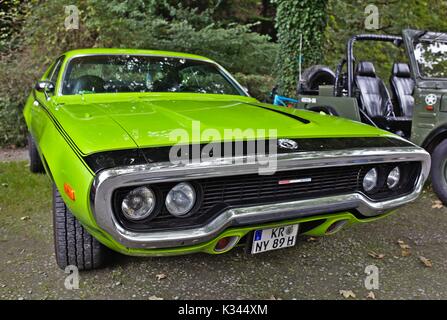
(217, 194)
(256, 189)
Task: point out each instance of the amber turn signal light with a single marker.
(69, 191)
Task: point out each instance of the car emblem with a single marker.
(431, 99)
(292, 181)
(287, 144)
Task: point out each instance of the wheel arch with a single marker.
(434, 138)
(42, 158)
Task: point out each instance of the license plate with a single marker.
(274, 238)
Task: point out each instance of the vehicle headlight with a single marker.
(393, 178)
(138, 203)
(370, 180)
(181, 199)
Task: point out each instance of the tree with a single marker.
(295, 20)
(12, 14)
(347, 18)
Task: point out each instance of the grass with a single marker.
(23, 197)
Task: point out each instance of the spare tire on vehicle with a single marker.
(314, 77)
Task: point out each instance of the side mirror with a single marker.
(44, 86)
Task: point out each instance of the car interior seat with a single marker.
(402, 87)
(374, 96)
(376, 102)
(88, 83)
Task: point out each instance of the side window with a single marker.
(53, 75)
(50, 71)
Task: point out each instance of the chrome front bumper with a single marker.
(109, 180)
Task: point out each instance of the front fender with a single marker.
(62, 159)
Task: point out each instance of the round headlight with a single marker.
(181, 199)
(393, 178)
(138, 203)
(370, 180)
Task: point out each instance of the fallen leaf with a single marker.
(437, 204)
(25, 218)
(406, 253)
(405, 248)
(376, 255)
(347, 294)
(161, 276)
(371, 296)
(312, 239)
(426, 262)
(155, 298)
(403, 245)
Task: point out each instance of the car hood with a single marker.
(111, 123)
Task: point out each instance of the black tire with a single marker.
(438, 171)
(35, 163)
(73, 244)
(313, 77)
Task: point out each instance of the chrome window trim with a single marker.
(225, 73)
(109, 180)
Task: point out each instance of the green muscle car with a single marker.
(161, 153)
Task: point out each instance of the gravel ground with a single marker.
(7, 155)
(313, 269)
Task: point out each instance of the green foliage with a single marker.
(11, 19)
(258, 86)
(12, 126)
(147, 24)
(32, 33)
(295, 19)
(189, 26)
(347, 18)
(234, 46)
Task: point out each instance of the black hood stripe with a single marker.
(295, 117)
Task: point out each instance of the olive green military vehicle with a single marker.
(412, 102)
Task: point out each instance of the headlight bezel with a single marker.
(409, 175)
(161, 191)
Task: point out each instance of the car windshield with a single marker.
(131, 73)
(431, 57)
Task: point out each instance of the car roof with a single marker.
(101, 51)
